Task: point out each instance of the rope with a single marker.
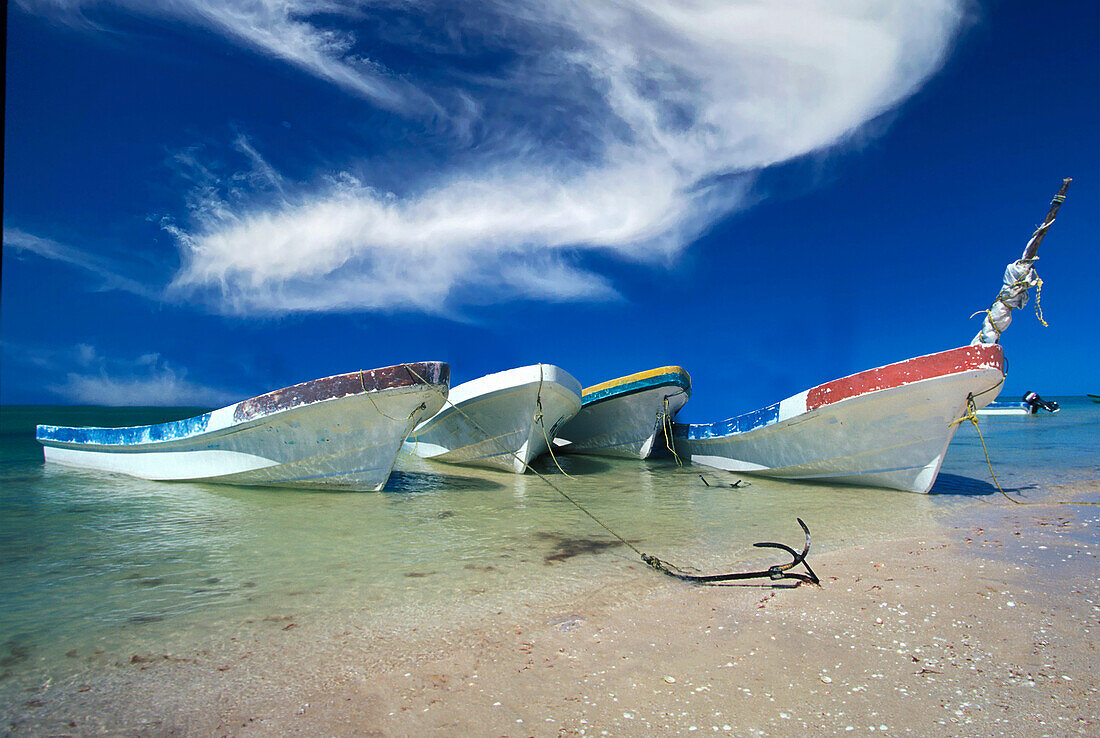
(415, 410)
(774, 572)
(666, 426)
(972, 416)
(539, 418)
(1038, 297)
(528, 467)
(1015, 292)
(1022, 282)
(1045, 226)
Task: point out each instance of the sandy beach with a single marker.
(981, 626)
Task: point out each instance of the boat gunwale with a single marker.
(251, 411)
(666, 376)
(515, 377)
(462, 407)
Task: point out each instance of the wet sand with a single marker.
(982, 624)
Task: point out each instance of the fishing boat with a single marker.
(630, 416)
(500, 421)
(1031, 404)
(339, 432)
(1006, 408)
(885, 427)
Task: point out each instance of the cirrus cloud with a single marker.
(604, 127)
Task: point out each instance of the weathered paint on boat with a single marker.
(886, 427)
(626, 416)
(501, 421)
(339, 432)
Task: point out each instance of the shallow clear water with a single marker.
(97, 563)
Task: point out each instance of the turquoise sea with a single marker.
(96, 567)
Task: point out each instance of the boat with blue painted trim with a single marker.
(500, 421)
(339, 432)
(629, 417)
(886, 427)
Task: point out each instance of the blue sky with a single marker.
(208, 200)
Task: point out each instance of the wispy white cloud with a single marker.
(304, 33)
(109, 279)
(506, 236)
(618, 128)
(145, 380)
(261, 175)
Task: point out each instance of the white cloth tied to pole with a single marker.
(1019, 277)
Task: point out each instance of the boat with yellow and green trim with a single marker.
(629, 417)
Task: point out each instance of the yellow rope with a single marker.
(538, 418)
(1038, 297)
(527, 466)
(972, 416)
(1022, 281)
(666, 426)
(1038, 286)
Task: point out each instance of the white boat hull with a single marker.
(630, 419)
(892, 430)
(500, 421)
(348, 441)
(1005, 408)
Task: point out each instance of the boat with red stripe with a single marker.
(885, 427)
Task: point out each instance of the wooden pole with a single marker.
(1037, 237)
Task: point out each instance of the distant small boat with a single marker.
(339, 432)
(500, 421)
(1006, 408)
(628, 416)
(1094, 398)
(886, 427)
(1031, 404)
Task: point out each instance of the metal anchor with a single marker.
(779, 571)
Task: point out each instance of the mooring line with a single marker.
(666, 427)
(541, 420)
(527, 466)
(775, 572)
(972, 416)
